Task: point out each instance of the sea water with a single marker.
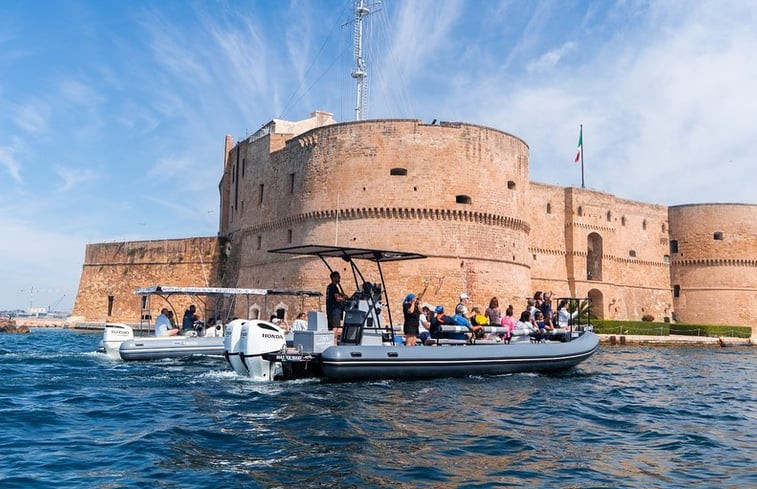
(630, 416)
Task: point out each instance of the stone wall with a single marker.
(112, 271)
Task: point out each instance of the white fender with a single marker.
(258, 337)
(113, 336)
(231, 345)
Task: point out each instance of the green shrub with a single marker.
(607, 326)
(711, 330)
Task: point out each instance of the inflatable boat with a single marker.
(121, 343)
(369, 350)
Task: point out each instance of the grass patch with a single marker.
(606, 326)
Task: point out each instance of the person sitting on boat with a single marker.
(424, 323)
(438, 319)
(163, 325)
(171, 319)
(411, 311)
(281, 323)
(188, 322)
(524, 327)
(460, 319)
(300, 323)
(476, 318)
(544, 329)
(563, 316)
(465, 302)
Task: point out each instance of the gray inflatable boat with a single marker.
(353, 362)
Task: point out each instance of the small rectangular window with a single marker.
(632, 253)
(674, 246)
(718, 236)
(244, 165)
(260, 195)
(289, 235)
(291, 183)
(110, 305)
(676, 291)
(260, 242)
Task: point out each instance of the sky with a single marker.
(113, 113)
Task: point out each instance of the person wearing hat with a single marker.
(412, 312)
(465, 302)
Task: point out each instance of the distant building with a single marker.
(459, 193)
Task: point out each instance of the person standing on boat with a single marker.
(412, 312)
(189, 319)
(163, 325)
(508, 322)
(334, 303)
(492, 313)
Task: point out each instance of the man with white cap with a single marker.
(465, 302)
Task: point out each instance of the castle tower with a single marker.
(714, 260)
(455, 192)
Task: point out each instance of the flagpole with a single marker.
(582, 156)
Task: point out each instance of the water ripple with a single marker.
(629, 417)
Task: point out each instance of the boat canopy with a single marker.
(348, 254)
(220, 291)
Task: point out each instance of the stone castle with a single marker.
(458, 193)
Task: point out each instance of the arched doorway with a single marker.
(597, 303)
(594, 257)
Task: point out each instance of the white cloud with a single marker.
(32, 117)
(8, 161)
(71, 177)
(550, 59)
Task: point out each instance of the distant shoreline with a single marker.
(609, 339)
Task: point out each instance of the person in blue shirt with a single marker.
(189, 318)
(163, 325)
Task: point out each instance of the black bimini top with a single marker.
(348, 254)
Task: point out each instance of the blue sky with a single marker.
(113, 113)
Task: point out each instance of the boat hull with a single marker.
(155, 348)
(347, 362)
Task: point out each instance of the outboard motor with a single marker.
(231, 346)
(256, 338)
(114, 335)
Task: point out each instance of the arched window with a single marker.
(463, 199)
(594, 257)
(609, 216)
(644, 224)
(597, 303)
(623, 221)
(549, 208)
(580, 211)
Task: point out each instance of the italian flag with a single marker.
(580, 144)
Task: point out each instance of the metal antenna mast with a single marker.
(359, 73)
